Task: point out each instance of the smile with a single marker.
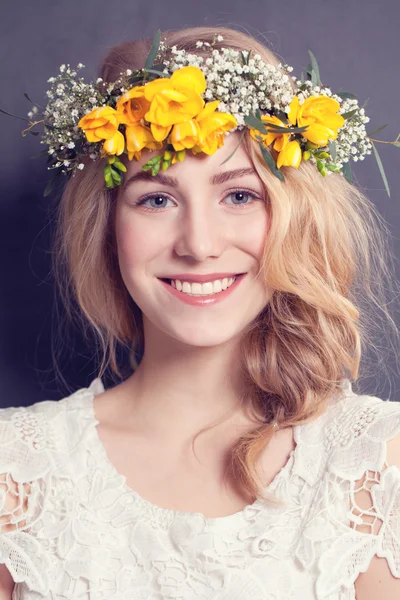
(202, 294)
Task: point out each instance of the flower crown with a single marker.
(181, 101)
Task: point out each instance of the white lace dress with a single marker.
(78, 532)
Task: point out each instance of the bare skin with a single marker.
(188, 378)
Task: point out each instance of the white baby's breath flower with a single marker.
(81, 166)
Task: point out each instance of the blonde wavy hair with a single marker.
(326, 261)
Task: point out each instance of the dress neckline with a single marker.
(96, 387)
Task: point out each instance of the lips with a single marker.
(192, 278)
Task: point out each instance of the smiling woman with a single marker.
(246, 283)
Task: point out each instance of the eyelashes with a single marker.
(238, 191)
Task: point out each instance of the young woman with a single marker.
(237, 293)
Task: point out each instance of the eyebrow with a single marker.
(165, 179)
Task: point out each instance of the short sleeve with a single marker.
(24, 477)
(363, 493)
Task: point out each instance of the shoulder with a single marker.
(359, 430)
(37, 445)
(29, 433)
(361, 434)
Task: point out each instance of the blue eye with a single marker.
(240, 196)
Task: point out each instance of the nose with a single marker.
(202, 231)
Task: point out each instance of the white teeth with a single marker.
(203, 289)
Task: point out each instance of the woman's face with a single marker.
(196, 218)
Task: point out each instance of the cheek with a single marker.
(254, 234)
(135, 244)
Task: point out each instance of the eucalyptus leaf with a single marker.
(314, 79)
(255, 123)
(346, 170)
(397, 144)
(332, 149)
(271, 163)
(27, 97)
(49, 188)
(16, 116)
(33, 132)
(156, 72)
(153, 50)
(345, 95)
(381, 169)
(377, 130)
(51, 184)
(232, 153)
(365, 103)
(282, 116)
(315, 67)
(278, 128)
(348, 115)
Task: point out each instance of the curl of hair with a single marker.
(326, 261)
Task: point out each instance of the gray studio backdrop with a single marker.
(354, 41)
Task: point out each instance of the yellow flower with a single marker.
(139, 136)
(114, 144)
(213, 125)
(279, 140)
(290, 155)
(174, 100)
(321, 116)
(185, 135)
(132, 106)
(102, 124)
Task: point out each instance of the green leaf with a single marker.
(117, 177)
(377, 130)
(381, 169)
(156, 168)
(397, 144)
(271, 163)
(315, 67)
(334, 168)
(119, 165)
(348, 115)
(153, 161)
(232, 153)
(321, 167)
(346, 170)
(153, 50)
(332, 149)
